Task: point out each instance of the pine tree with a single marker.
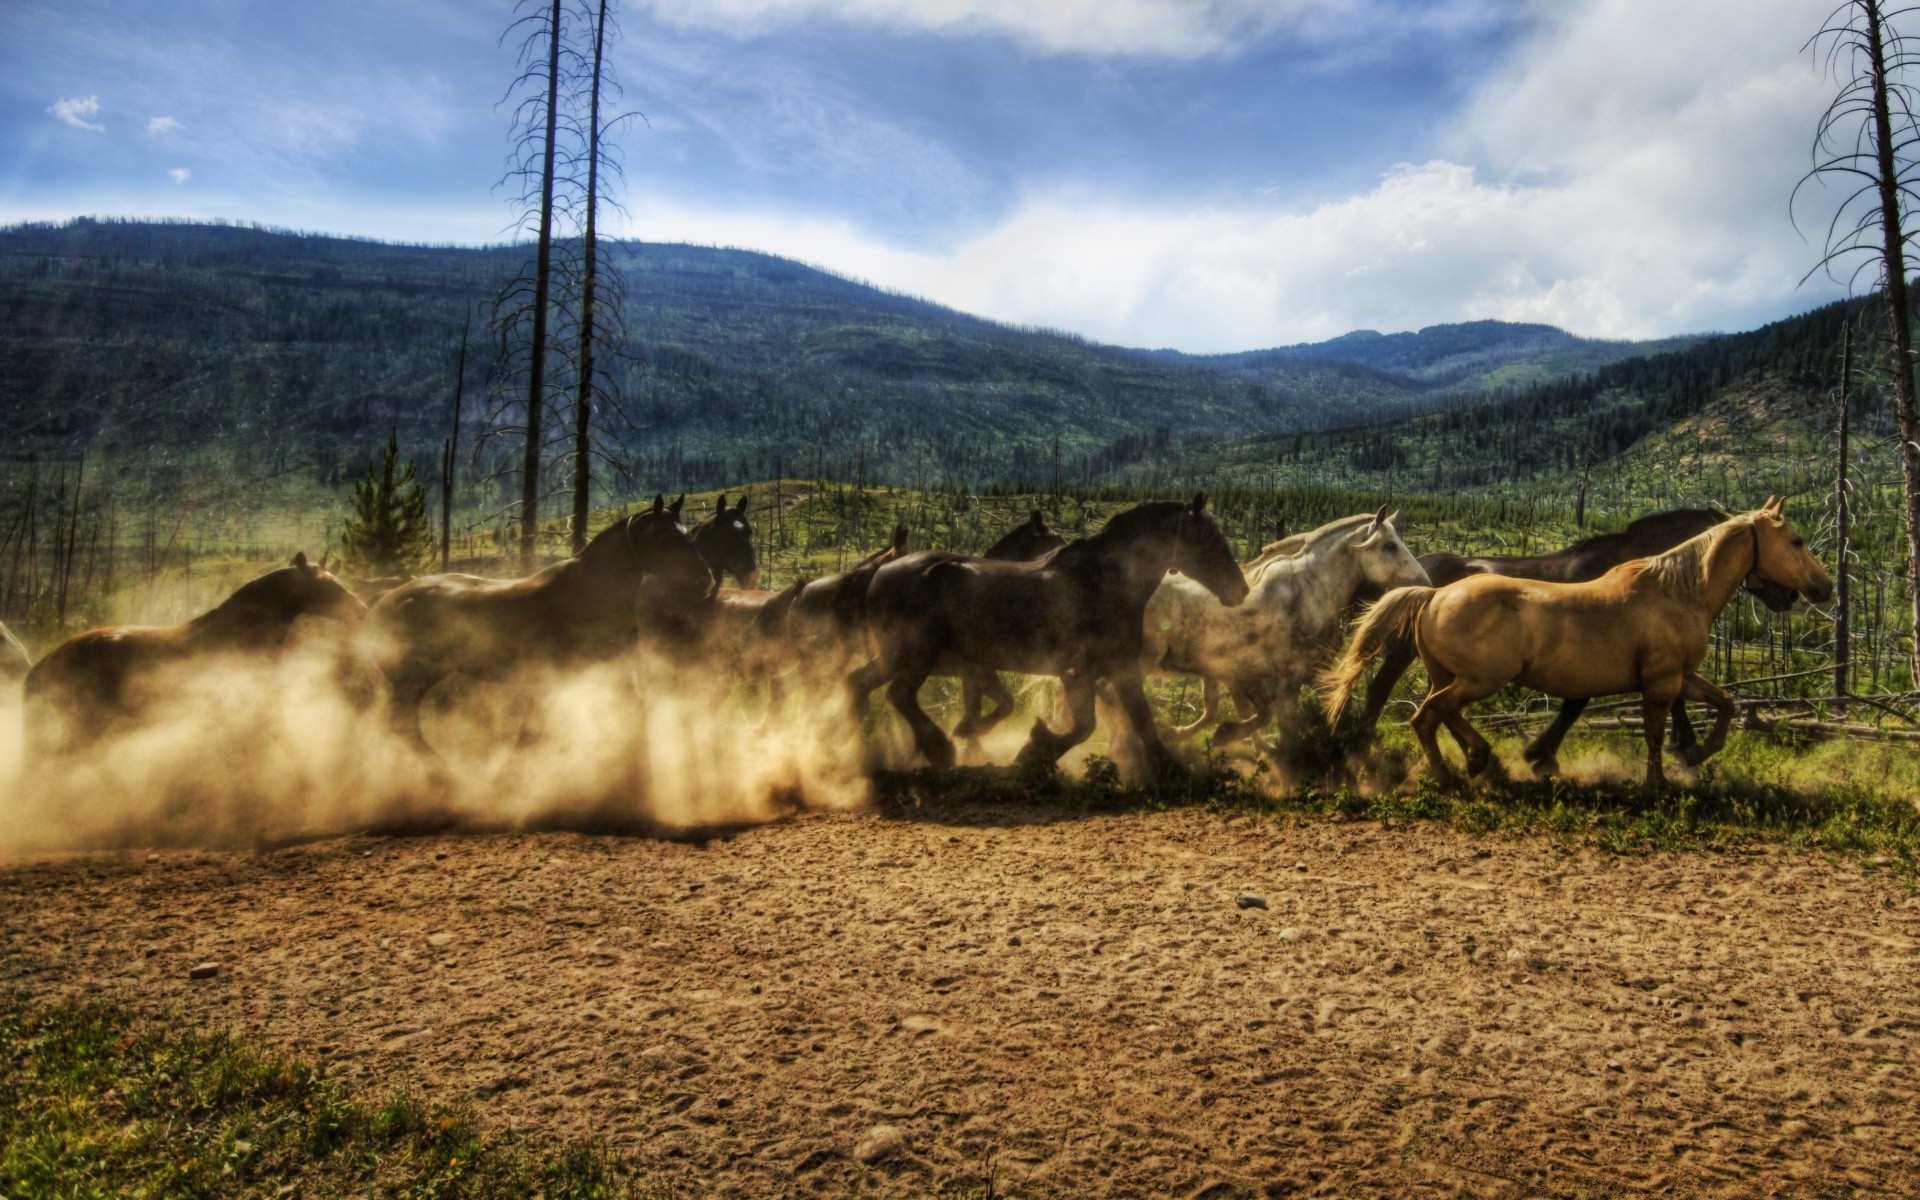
(387, 531)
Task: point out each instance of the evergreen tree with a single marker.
(387, 531)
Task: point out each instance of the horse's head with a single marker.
(1781, 556)
(306, 589)
(1201, 553)
(1384, 560)
(1031, 539)
(665, 555)
(725, 542)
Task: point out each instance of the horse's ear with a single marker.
(1379, 517)
(1771, 506)
(1037, 520)
(900, 539)
(659, 503)
(300, 559)
(675, 507)
(720, 505)
(740, 505)
(1389, 518)
(1199, 504)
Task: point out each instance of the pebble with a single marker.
(1014, 940)
(919, 1024)
(439, 939)
(1249, 900)
(205, 970)
(1617, 1065)
(1289, 934)
(1300, 866)
(878, 1144)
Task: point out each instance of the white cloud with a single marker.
(1627, 176)
(77, 112)
(1152, 28)
(159, 125)
(179, 174)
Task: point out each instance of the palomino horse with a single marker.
(103, 677)
(1075, 614)
(578, 611)
(1641, 627)
(725, 542)
(1586, 559)
(1265, 650)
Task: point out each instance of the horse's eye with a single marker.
(1799, 541)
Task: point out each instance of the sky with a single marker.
(1209, 175)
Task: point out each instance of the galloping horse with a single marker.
(578, 611)
(1075, 614)
(1265, 650)
(1641, 627)
(1586, 559)
(103, 677)
(725, 543)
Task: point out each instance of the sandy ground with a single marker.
(1076, 1005)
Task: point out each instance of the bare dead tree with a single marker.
(449, 455)
(589, 298)
(1866, 141)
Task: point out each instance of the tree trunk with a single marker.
(1905, 409)
(450, 455)
(1842, 648)
(583, 399)
(542, 282)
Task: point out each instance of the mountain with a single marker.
(306, 349)
(1474, 356)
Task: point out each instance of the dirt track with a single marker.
(1077, 1004)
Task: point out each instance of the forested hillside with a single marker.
(304, 350)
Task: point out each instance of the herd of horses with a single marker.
(1156, 592)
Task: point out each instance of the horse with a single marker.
(1076, 614)
(1641, 627)
(1266, 649)
(725, 542)
(96, 680)
(1586, 559)
(578, 611)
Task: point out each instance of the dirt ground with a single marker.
(1076, 1006)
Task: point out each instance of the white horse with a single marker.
(1288, 630)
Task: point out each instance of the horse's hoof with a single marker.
(1693, 756)
(1545, 768)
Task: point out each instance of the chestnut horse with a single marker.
(1586, 559)
(578, 611)
(1075, 614)
(1641, 627)
(103, 677)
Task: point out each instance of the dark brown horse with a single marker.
(576, 612)
(725, 542)
(1075, 614)
(96, 680)
(1585, 560)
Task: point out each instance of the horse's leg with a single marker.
(1656, 701)
(1393, 664)
(1696, 687)
(1426, 726)
(1251, 705)
(861, 682)
(1209, 706)
(1130, 689)
(1543, 752)
(403, 718)
(1479, 751)
(1044, 747)
(1683, 740)
(904, 692)
(977, 684)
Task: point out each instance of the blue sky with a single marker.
(1208, 174)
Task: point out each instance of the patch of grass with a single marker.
(96, 1102)
(1845, 800)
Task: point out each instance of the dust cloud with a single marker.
(237, 752)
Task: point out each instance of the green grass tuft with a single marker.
(97, 1103)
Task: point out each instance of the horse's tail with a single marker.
(1388, 622)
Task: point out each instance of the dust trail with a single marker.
(249, 752)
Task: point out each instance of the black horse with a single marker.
(725, 541)
(1586, 559)
(1075, 614)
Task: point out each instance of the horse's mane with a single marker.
(1151, 513)
(1294, 545)
(1652, 523)
(1682, 570)
(245, 598)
